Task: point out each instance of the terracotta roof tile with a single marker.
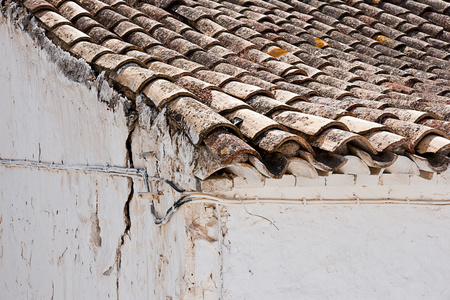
(133, 79)
(37, 5)
(111, 63)
(72, 11)
(68, 36)
(88, 51)
(51, 19)
(93, 6)
(100, 34)
(301, 80)
(85, 23)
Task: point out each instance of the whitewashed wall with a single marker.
(63, 235)
(336, 252)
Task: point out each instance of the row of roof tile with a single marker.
(282, 86)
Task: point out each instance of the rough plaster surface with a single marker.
(74, 234)
(336, 252)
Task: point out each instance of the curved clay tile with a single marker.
(88, 51)
(431, 163)
(341, 74)
(133, 79)
(433, 144)
(93, 6)
(162, 91)
(244, 91)
(85, 23)
(167, 69)
(100, 34)
(256, 81)
(368, 103)
(305, 123)
(209, 27)
(50, 19)
(231, 70)
(147, 59)
(438, 162)
(379, 161)
(67, 36)
(192, 82)
(276, 163)
(331, 81)
(320, 110)
(142, 40)
(323, 161)
(110, 63)
(384, 141)
(327, 91)
(354, 166)
(125, 28)
(205, 58)
(266, 105)
(346, 104)
(415, 132)
(360, 126)
(109, 18)
(119, 46)
(224, 104)
(288, 144)
(71, 11)
(336, 140)
(226, 146)
(252, 124)
(189, 13)
(372, 114)
(288, 97)
(147, 23)
(128, 11)
(196, 119)
(202, 40)
(34, 6)
(176, 25)
(215, 78)
(444, 126)
(301, 168)
(409, 115)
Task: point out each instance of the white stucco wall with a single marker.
(336, 252)
(63, 234)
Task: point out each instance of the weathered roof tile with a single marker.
(71, 11)
(68, 36)
(196, 119)
(360, 79)
(162, 91)
(88, 51)
(133, 79)
(37, 5)
(51, 19)
(112, 62)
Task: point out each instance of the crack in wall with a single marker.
(126, 209)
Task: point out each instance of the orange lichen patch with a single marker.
(321, 43)
(376, 1)
(382, 39)
(277, 52)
